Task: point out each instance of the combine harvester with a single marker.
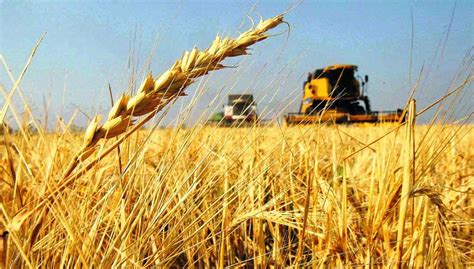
(241, 110)
(335, 94)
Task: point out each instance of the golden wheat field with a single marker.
(320, 196)
(125, 194)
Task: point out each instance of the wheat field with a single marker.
(322, 196)
(263, 197)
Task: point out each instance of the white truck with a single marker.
(240, 107)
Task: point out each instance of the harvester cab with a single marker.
(337, 94)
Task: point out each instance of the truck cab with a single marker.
(240, 107)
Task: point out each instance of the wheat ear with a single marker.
(154, 94)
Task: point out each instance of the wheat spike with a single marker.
(155, 93)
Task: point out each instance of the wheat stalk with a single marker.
(156, 93)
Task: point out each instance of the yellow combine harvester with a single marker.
(336, 94)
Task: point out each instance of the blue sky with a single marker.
(88, 45)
